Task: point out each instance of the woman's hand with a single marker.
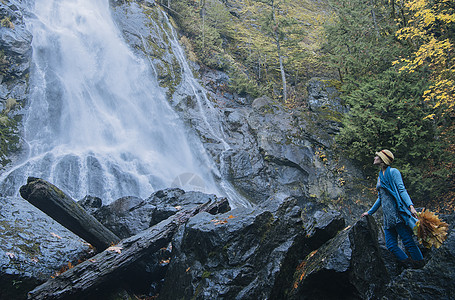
(413, 211)
(365, 214)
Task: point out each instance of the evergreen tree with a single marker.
(208, 25)
(360, 39)
(387, 109)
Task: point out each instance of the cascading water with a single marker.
(98, 123)
(209, 114)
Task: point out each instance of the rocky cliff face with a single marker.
(33, 248)
(15, 43)
(259, 145)
(293, 242)
(15, 57)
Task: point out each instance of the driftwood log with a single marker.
(89, 277)
(59, 206)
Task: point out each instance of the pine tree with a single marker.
(387, 109)
(360, 42)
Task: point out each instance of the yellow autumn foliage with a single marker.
(428, 29)
(430, 230)
(303, 40)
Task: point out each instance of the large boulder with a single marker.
(354, 265)
(33, 247)
(349, 266)
(243, 254)
(435, 280)
(128, 216)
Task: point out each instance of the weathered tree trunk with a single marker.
(88, 278)
(60, 207)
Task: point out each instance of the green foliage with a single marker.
(430, 30)
(207, 23)
(243, 85)
(279, 40)
(360, 42)
(387, 109)
(9, 138)
(242, 40)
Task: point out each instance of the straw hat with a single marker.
(386, 156)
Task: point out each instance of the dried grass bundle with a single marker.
(430, 230)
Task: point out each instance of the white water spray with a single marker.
(98, 123)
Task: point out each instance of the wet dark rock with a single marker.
(15, 60)
(122, 218)
(170, 201)
(90, 203)
(323, 95)
(347, 267)
(353, 265)
(276, 250)
(435, 279)
(218, 84)
(320, 226)
(90, 279)
(15, 40)
(32, 247)
(238, 255)
(128, 216)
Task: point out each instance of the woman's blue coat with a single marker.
(393, 182)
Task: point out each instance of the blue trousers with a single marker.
(391, 241)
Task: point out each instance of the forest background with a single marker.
(391, 60)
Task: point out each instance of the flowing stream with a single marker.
(98, 123)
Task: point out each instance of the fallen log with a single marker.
(88, 279)
(60, 207)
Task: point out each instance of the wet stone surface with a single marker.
(32, 247)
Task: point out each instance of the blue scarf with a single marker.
(387, 182)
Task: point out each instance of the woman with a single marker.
(399, 212)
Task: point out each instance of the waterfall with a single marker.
(98, 123)
(209, 115)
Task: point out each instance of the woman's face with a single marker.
(377, 160)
